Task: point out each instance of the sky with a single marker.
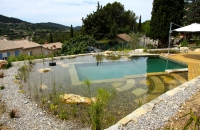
(66, 12)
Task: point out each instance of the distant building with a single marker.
(123, 38)
(14, 48)
(50, 48)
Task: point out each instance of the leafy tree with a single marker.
(77, 45)
(192, 14)
(109, 20)
(164, 12)
(146, 27)
(139, 25)
(135, 41)
(71, 32)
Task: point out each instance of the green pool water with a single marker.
(119, 69)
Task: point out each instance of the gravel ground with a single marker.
(29, 116)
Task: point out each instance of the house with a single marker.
(123, 38)
(50, 48)
(14, 48)
(9, 48)
(29, 47)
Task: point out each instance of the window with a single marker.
(5, 55)
(30, 53)
(46, 52)
(1, 56)
(17, 52)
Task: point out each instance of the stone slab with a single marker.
(139, 92)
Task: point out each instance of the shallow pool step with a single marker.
(181, 79)
(159, 85)
(130, 83)
(168, 80)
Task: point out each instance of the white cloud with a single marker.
(66, 12)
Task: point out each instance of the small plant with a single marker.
(54, 108)
(13, 113)
(43, 100)
(21, 91)
(63, 115)
(2, 87)
(145, 50)
(16, 77)
(1, 74)
(184, 43)
(193, 118)
(139, 103)
(21, 86)
(197, 40)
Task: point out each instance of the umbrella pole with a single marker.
(170, 31)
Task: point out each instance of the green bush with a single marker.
(184, 43)
(2, 87)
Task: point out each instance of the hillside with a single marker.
(49, 24)
(5, 19)
(18, 29)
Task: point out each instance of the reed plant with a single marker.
(97, 113)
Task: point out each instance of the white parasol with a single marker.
(195, 27)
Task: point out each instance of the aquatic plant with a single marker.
(97, 110)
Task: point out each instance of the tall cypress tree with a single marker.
(71, 32)
(139, 25)
(50, 38)
(164, 12)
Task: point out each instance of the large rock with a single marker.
(44, 70)
(76, 99)
(3, 63)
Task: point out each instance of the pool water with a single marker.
(119, 69)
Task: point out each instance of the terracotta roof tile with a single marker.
(56, 45)
(125, 37)
(8, 45)
(26, 44)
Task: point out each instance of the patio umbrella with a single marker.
(195, 27)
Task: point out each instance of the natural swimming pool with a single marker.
(129, 87)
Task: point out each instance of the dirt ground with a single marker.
(180, 120)
(2, 110)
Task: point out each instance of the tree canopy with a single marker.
(77, 45)
(164, 12)
(192, 13)
(109, 20)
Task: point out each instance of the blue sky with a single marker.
(66, 12)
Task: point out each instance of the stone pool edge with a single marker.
(135, 116)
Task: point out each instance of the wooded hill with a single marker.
(18, 29)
